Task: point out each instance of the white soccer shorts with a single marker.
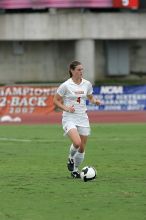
(85, 131)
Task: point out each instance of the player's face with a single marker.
(78, 72)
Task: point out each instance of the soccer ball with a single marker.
(88, 173)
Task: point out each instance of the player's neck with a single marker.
(77, 80)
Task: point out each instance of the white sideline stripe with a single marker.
(21, 140)
(28, 140)
(14, 139)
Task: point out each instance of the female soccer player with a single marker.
(71, 98)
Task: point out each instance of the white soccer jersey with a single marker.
(75, 95)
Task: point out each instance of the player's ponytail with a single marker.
(73, 65)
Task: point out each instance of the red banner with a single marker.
(133, 4)
(22, 101)
(17, 4)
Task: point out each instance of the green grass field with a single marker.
(35, 184)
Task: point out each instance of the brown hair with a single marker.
(73, 65)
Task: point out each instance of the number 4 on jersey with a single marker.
(79, 100)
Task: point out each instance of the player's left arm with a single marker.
(93, 100)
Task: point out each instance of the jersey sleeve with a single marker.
(90, 89)
(61, 90)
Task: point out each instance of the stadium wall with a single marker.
(37, 47)
(72, 26)
(46, 61)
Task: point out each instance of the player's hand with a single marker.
(71, 109)
(97, 102)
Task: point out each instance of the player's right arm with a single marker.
(58, 101)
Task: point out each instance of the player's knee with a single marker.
(78, 143)
(80, 146)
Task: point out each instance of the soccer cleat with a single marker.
(70, 164)
(75, 174)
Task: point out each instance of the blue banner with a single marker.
(119, 98)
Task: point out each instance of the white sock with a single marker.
(78, 159)
(72, 151)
